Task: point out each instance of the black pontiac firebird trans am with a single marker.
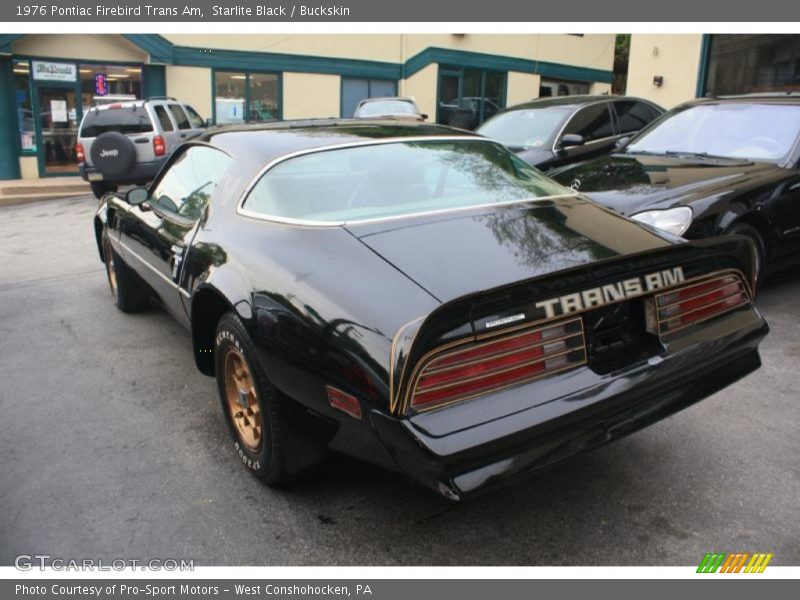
(420, 298)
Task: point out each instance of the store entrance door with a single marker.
(59, 117)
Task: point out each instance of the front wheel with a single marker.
(759, 268)
(252, 405)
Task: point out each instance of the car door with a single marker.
(196, 122)
(633, 116)
(782, 209)
(156, 234)
(184, 131)
(595, 125)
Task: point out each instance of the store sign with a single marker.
(100, 84)
(53, 71)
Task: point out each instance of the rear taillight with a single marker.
(159, 148)
(502, 361)
(699, 301)
(79, 155)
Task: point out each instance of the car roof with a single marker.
(263, 143)
(576, 100)
(385, 98)
(572, 101)
(761, 98)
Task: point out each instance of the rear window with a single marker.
(395, 179)
(126, 120)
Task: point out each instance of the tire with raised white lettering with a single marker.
(253, 407)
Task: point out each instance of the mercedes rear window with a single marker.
(386, 180)
(125, 120)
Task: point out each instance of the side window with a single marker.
(180, 117)
(195, 120)
(632, 115)
(163, 118)
(190, 181)
(592, 122)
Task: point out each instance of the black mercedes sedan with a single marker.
(420, 298)
(709, 167)
(553, 132)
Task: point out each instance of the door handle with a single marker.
(142, 140)
(183, 135)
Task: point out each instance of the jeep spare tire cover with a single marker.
(113, 154)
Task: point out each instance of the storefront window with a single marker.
(246, 97)
(467, 97)
(263, 97)
(109, 83)
(22, 95)
(742, 64)
(552, 87)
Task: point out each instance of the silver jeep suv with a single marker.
(127, 142)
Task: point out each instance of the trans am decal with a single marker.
(612, 292)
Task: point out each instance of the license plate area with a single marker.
(616, 336)
(95, 176)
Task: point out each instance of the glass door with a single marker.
(59, 117)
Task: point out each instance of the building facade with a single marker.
(672, 68)
(47, 81)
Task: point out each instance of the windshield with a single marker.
(395, 179)
(126, 120)
(387, 107)
(731, 130)
(526, 128)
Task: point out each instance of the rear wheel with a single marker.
(252, 406)
(129, 294)
(101, 188)
(760, 246)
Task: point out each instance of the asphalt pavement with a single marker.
(112, 445)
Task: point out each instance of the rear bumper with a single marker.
(140, 173)
(459, 463)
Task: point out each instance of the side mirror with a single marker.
(424, 117)
(571, 139)
(137, 196)
(621, 142)
(209, 123)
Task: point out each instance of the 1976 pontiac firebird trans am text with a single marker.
(420, 298)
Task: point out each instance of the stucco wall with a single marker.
(591, 50)
(381, 47)
(98, 48)
(676, 57)
(191, 85)
(422, 87)
(522, 87)
(310, 95)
